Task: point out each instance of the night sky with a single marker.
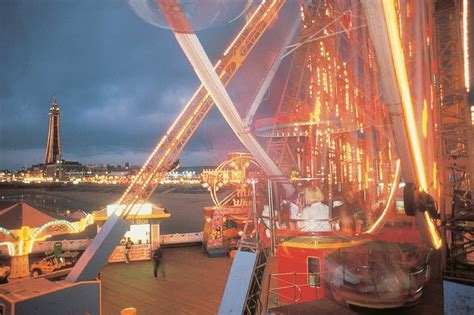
(119, 81)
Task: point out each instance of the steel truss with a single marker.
(171, 145)
(253, 303)
(456, 143)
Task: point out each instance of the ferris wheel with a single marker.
(233, 174)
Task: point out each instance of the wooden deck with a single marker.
(194, 284)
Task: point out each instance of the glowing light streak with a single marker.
(359, 173)
(137, 209)
(245, 27)
(10, 247)
(465, 42)
(399, 18)
(394, 186)
(401, 74)
(35, 234)
(472, 115)
(89, 219)
(415, 147)
(425, 119)
(435, 238)
(5, 231)
(380, 168)
(389, 151)
(143, 174)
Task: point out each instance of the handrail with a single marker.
(316, 225)
(287, 284)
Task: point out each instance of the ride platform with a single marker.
(194, 284)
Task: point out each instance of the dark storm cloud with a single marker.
(119, 81)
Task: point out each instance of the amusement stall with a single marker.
(231, 192)
(144, 232)
(26, 233)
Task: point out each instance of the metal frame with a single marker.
(456, 137)
(296, 297)
(253, 303)
(177, 136)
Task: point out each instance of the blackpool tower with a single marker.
(53, 146)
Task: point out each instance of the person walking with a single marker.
(158, 264)
(128, 248)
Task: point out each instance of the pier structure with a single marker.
(373, 118)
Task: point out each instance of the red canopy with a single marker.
(20, 214)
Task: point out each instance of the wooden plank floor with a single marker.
(194, 284)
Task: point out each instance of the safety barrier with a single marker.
(288, 289)
(181, 238)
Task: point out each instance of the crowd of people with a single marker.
(307, 210)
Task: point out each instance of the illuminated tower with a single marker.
(53, 146)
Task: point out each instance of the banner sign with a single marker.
(71, 245)
(137, 252)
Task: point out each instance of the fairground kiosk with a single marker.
(144, 230)
(32, 233)
(226, 221)
(27, 233)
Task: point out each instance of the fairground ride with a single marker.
(361, 94)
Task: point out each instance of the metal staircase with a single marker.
(244, 284)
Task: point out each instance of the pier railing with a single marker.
(181, 238)
(287, 288)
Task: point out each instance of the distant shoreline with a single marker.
(185, 203)
(63, 185)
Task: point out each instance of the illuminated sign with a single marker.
(136, 209)
(141, 221)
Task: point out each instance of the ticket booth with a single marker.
(144, 230)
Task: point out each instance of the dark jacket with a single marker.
(157, 254)
(128, 244)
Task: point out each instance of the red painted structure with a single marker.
(349, 268)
